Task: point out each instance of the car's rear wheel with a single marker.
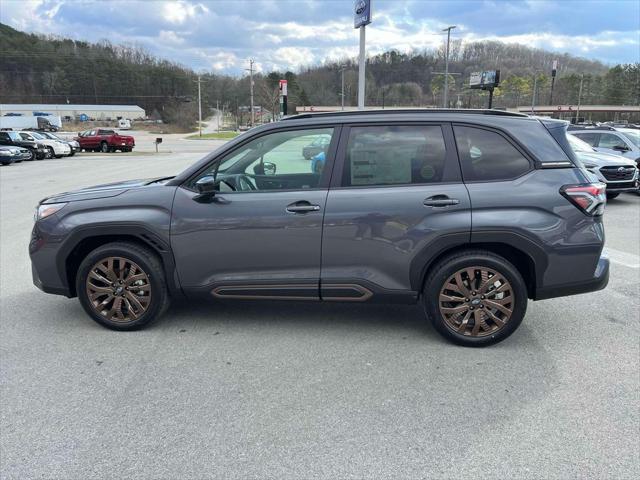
(122, 286)
(612, 195)
(475, 298)
(104, 147)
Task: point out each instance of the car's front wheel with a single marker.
(475, 298)
(122, 286)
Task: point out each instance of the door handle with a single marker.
(302, 207)
(440, 201)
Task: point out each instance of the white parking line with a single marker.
(623, 258)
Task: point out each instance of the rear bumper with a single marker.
(598, 282)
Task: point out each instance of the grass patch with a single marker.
(214, 136)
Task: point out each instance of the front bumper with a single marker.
(598, 282)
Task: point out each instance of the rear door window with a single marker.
(394, 155)
(488, 156)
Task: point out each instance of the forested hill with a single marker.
(39, 69)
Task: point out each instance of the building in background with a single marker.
(72, 112)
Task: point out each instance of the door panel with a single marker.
(247, 237)
(373, 234)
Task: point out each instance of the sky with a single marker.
(222, 35)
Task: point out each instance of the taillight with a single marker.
(588, 197)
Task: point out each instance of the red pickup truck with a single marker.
(103, 140)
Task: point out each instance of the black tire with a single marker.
(612, 195)
(104, 147)
(52, 152)
(32, 155)
(446, 268)
(148, 262)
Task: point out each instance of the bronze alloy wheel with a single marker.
(118, 289)
(476, 301)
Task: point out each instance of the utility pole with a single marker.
(533, 94)
(217, 116)
(554, 69)
(199, 106)
(446, 66)
(342, 67)
(250, 69)
(579, 97)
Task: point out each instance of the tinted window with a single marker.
(275, 161)
(590, 138)
(487, 155)
(608, 140)
(394, 155)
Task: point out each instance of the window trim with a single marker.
(325, 178)
(533, 163)
(451, 157)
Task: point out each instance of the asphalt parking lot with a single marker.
(273, 390)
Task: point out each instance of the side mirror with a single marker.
(207, 185)
(79, 134)
(269, 168)
(621, 148)
(264, 168)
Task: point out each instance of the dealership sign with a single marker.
(484, 80)
(282, 86)
(362, 13)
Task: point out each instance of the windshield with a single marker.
(632, 135)
(578, 145)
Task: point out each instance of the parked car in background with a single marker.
(124, 124)
(619, 141)
(618, 173)
(103, 140)
(389, 219)
(9, 155)
(73, 144)
(57, 148)
(320, 144)
(37, 150)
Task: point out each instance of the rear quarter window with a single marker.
(486, 155)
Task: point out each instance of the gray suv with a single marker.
(470, 213)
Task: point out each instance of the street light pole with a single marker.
(579, 98)
(446, 66)
(533, 94)
(250, 69)
(342, 67)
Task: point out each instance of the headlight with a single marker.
(5, 153)
(47, 209)
(590, 165)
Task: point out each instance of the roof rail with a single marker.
(387, 111)
(574, 127)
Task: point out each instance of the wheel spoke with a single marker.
(499, 323)
(497, 306)
(463, 289)
(449, 298)
(450, 310)
(135, 278)
(96, 276)
(465, 322)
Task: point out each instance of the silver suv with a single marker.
(469, 213)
